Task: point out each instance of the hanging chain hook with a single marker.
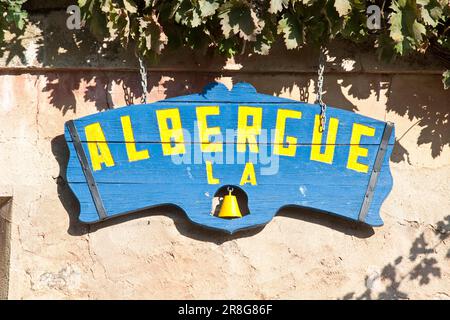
(323, 106)
(143, 73)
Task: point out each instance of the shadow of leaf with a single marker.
(61, 89)
(423, 105)
(424, 270)
(420, 246)
(15, 48)
(392, 291)
(399, 153)
(443, 228)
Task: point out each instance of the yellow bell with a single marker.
(230, 207)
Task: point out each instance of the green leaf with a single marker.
(277, 5)
(406, 30)
(208, 7)
(228, 47)
(292, 30)
(426, 17)
(241, 21)
(431, 12)
(396, 23)
(418, 31)
(189, 15)
(408, 25)
(262, 47)
(446, 79)
(194, 19)
(19, 19)
(82, 3)
(264, 42)
(107, 6)
(436, 12)
(152, 37)
(130, 6)
(98, 23)
(343, 7)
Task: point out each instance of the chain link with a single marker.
(323, 106)
(143, 73)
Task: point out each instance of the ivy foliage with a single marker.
(12, 17)
(236, 26)
(231, 27)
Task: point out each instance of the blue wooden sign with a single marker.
(202, 152)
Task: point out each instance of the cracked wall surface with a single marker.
(158, 253)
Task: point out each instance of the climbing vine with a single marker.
(236, 26)
(12, 17)
(233, 26)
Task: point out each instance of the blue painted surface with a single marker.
(131, 186)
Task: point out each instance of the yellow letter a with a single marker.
(248, 176)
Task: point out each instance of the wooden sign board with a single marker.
(186, 150)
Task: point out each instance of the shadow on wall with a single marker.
(56, 49)
(422, 255)
(428, 112)
(431, 113)
(406, 95)
(13, 47)
(432, 116)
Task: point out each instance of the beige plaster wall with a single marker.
(158, 253)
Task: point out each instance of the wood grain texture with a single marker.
(281, 180)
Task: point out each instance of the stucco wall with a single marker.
(158, 253)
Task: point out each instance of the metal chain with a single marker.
(143, 73)
(323, 106)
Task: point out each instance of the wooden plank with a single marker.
(145, 124)
(160, 166)
(127, 184)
